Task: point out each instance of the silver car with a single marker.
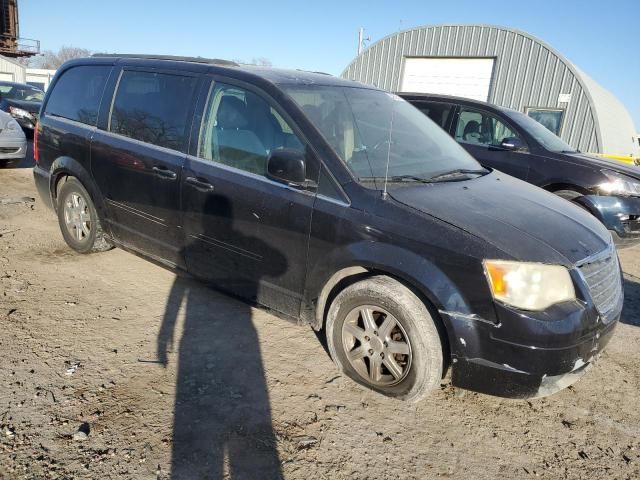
(13, 144)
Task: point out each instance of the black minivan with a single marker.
(518, 145)
(335, 204)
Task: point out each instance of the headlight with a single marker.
(529, 286)
(619, 184)
(19, 112)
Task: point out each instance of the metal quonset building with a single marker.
(506, 67)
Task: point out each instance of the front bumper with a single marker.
(12, 148)
(521, 370)
(621, 215)
(528, 354)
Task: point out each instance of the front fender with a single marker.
(450, 305)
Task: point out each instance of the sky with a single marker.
(601, 38)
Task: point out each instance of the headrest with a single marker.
(232, 113)
(471, 127)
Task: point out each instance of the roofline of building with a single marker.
(12, 61)
(572, 68)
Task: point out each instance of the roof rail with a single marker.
(210, 61)
(314, 71)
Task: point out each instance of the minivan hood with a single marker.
(627, 169)
(523, 221)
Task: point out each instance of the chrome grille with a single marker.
(601, 273)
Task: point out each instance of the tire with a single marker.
(78, 219)
(9, 163)
(410, 353)
(572, 196)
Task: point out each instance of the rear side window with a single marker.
(153, 107)
(77, 94)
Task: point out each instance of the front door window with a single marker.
(481, 128)
(240, 129)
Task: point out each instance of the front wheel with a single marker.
(382, 336)
(78, 219)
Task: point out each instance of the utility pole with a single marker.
(361, 40)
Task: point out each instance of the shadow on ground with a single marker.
(631, 312)
(222, 417)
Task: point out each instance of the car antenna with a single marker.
(386, 173)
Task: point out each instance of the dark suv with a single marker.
(514, 143)
(336, 204)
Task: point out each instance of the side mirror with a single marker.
(287, 166)
(512, 143)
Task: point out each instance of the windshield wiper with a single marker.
(398, 178)
(436, 178)
(456, 173)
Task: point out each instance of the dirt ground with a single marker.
(113, 367)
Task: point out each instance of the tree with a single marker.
(52, 60)
(261, 61)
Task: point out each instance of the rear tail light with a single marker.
(35, 142)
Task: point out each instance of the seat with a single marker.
(471, 132)
(263, 123)
(237, 145)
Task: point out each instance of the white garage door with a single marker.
(464, 77)
(6, 77)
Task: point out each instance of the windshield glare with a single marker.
(21, 93)
(365, 127)
(541, 133)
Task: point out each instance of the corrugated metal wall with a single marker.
(526, 72)
(12, 71)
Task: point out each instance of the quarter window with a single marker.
(77, 93)
(482, 128)
(550, 118)
(240, 129)
(153, 107)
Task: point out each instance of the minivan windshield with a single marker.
(18, 92)
(367, 127)
(541, 133)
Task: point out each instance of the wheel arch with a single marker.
(417, 273)
(557, 186)
(64, 167)
(355, 273)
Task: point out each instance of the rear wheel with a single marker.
(382, 336)
(78, 219)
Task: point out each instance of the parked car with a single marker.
(335, 204)
(514, 143)
(22, 102)
(13, 144)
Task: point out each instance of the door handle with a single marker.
(199, 184)
(165, 173)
